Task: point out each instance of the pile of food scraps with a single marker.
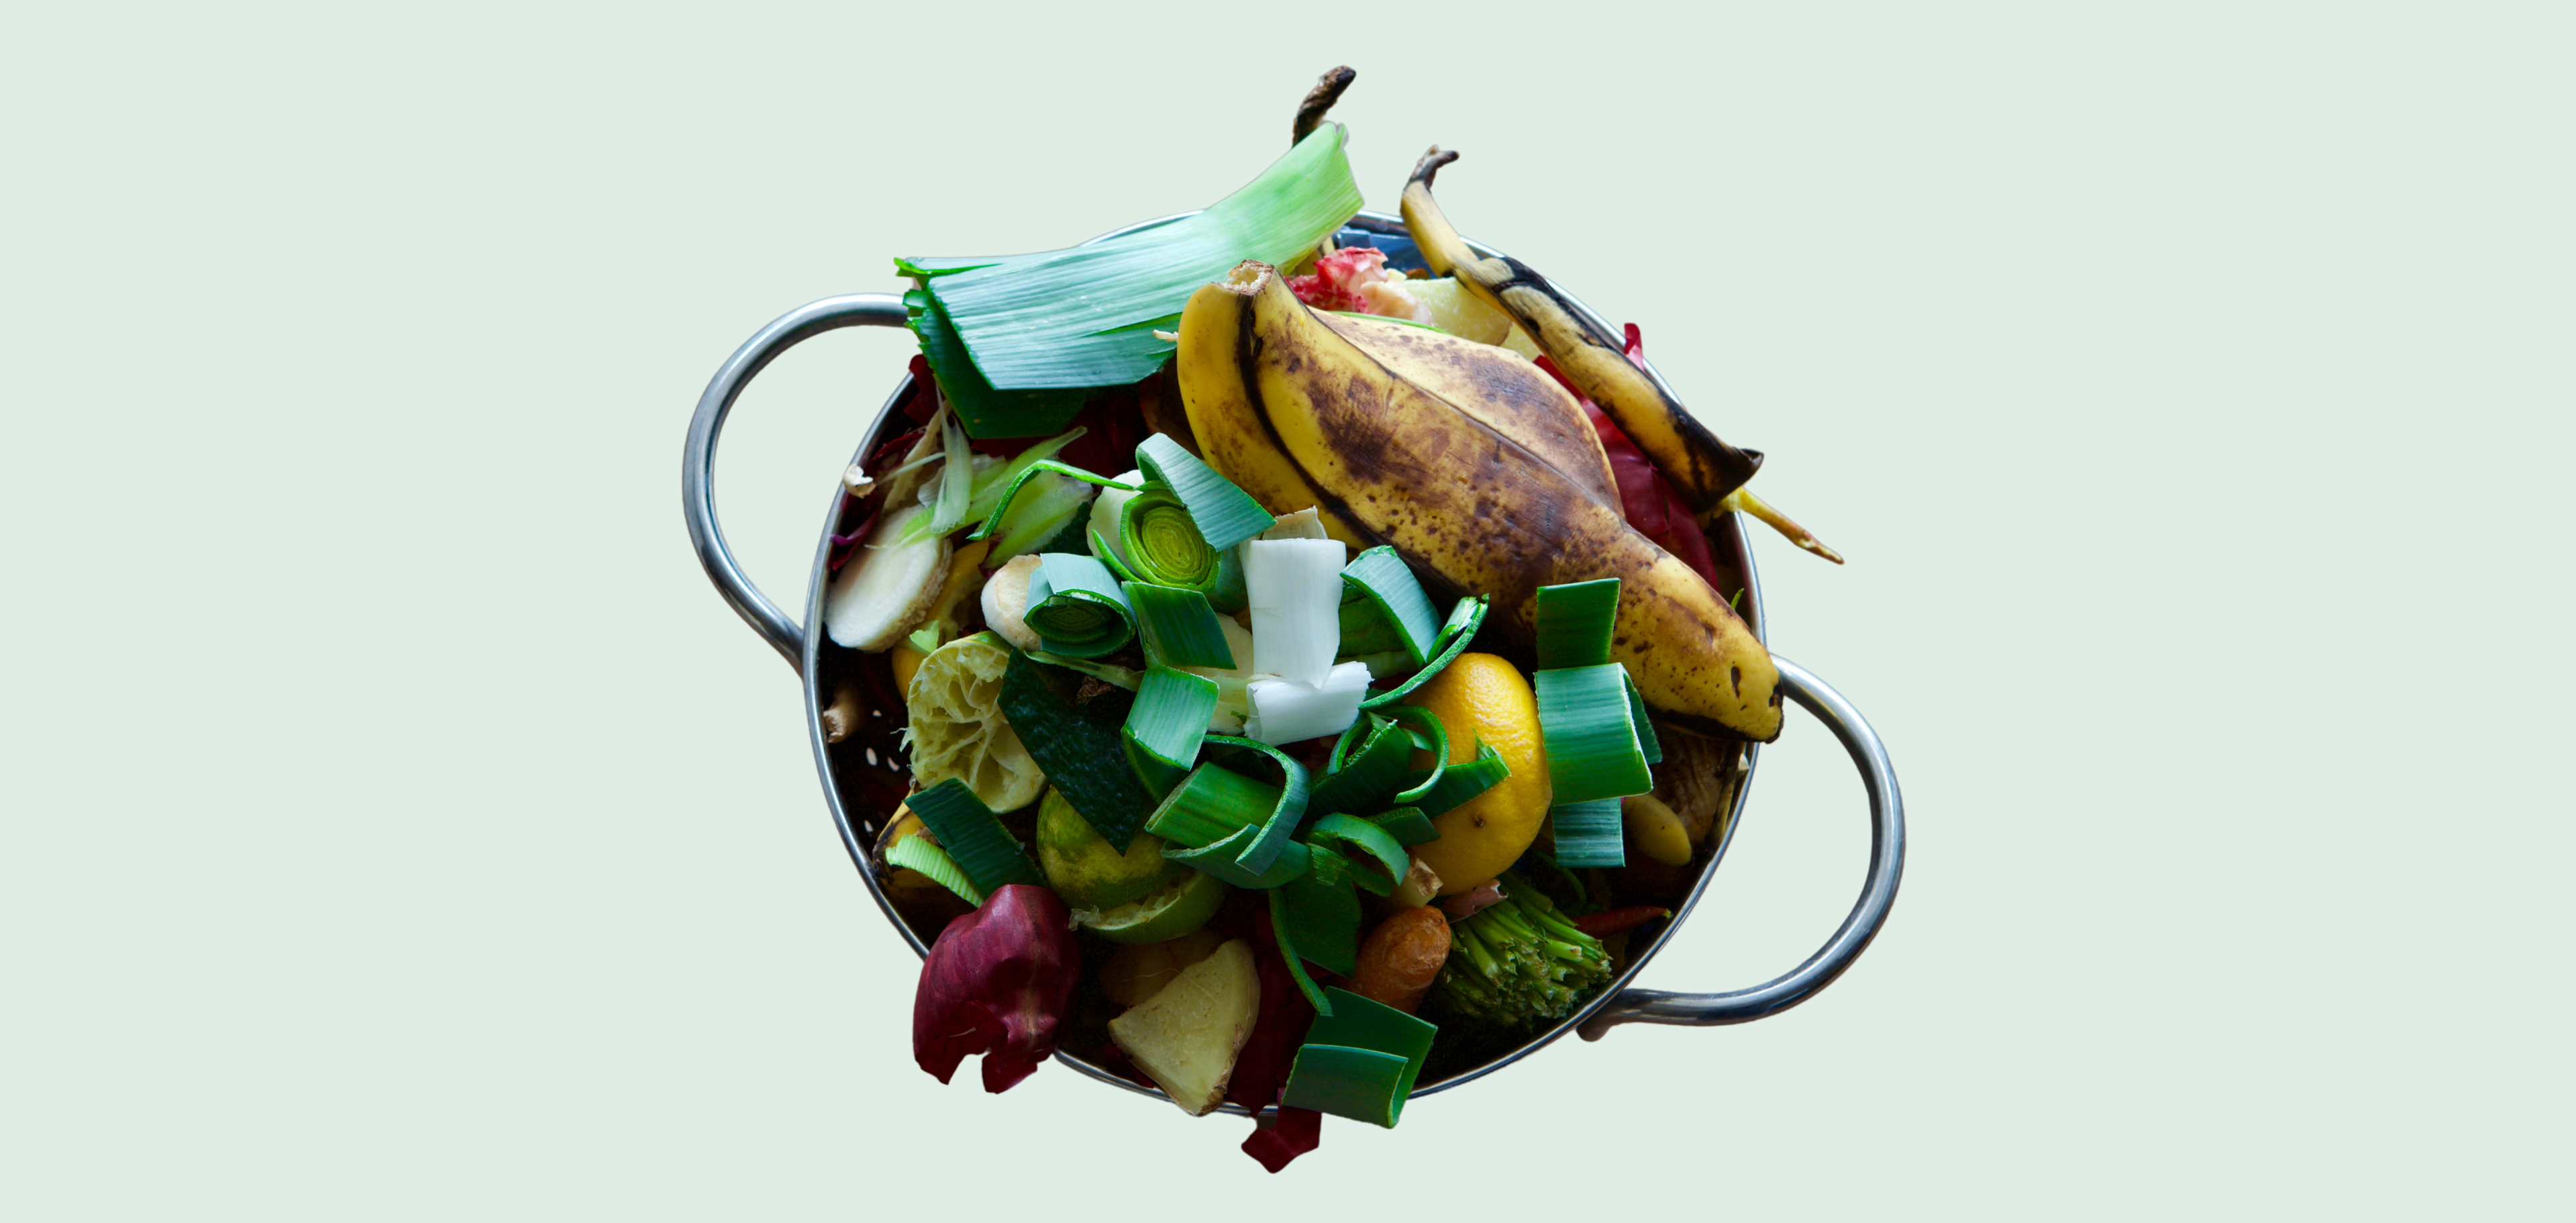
(1311, 661)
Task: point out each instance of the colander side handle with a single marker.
(1886, 870)
(697, 462)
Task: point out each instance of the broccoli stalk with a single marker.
(1519, 961)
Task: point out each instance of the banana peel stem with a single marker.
(1743, 499)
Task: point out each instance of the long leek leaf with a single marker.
(1085, 316)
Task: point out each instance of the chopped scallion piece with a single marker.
(1177, 627)
(1588, 834)
(1323, 914)
(1362, 781)
(919, 854)
(970, 834)
(1164, 726)
(1467, 617)
(1253, 855)
(1005, 495)
(1224, 514)
(1377, 843)
(1460, 782)
(1360, 1060)
(1211, 804)
(1383, 579)
(1076, 607)
(1407, 825)
(1592, 744)
(1575, 622)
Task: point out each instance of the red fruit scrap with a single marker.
(1278, 1140)
(1335, 284)
(1645, 496)
(997, 982)
(1261, 1069)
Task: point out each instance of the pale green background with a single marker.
(397, 827)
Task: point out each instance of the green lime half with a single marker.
(1167, 912)
(1084, 870)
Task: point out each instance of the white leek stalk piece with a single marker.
(1105, 509)
(1285, 711)
(1295, 589)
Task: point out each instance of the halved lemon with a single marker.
(957, 729)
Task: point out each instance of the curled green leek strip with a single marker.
(1464, 620)
(1076, 608)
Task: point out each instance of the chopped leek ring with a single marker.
(1407, 825)
(1288, 951)
(970, 834)
(1177, 627)
(1165, 724)
(1383, 579)
(1362, 780)
(1588, 834)
(1359, 834)
(1324, 914)
(1223, 513)
(919, 854)
(1076, 607)
(1575, 622)
(1010, 493)
(1213, 797)
(1593, 749)
(1467, 617)
(1462, 781)
(1360, 1060)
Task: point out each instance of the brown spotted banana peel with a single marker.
(1388, 461)
(1707, 472)
(1495, 385)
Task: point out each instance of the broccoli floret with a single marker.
(1519, 962)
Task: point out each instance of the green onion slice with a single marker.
(1009, 493)
(1407, 825)
(1323, 914)
(970, 834)
(1224, 514)
(1383, 579)
(1051, 511)
(1076, 606)
(1647, 742)
(1593, 750)
(1369, 839)
(1233, 827)
(1361, 780)
(919, 854)
(1177, 627)
(1165, 725)
(1360, 1060)
(1588, 834)
(1464, 620)
(1432, 737)
(1460, 782)
(1288, 951)
(1575, 622)
(1079, 746)
(1108, 558)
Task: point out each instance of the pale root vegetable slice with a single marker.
(1457, 310)
(1006, 602)
(957, 728)
(1187, 1035)
(883, 592)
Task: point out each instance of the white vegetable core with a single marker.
(1295, 588)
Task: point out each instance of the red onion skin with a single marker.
(997, 982)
